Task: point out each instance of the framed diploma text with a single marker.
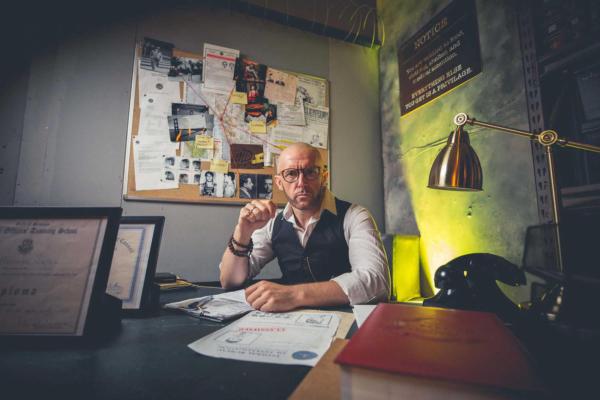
(54, 266)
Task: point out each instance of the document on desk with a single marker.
(220, 307)
(292, 338)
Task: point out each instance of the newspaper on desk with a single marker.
(298, 337)
(220, 307)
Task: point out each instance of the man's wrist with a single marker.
(299, 295)
(241, 236)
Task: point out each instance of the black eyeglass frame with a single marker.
(299, 171)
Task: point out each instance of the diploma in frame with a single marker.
(54, 266)
(133, 265)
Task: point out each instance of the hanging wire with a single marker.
(382, 24)
(326, 17)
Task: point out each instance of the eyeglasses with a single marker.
(292, 174)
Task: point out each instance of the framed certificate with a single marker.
(54, 266)
(134, 264)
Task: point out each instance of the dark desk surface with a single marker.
(147, 359)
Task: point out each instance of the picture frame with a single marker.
(54, 270)
(134, 262)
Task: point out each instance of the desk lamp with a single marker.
(457, 167)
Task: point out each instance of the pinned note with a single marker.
(258, 126)
(239, 98)
(204, 142)
(258, 159)
(219, 166)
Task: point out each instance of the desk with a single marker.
(147, 359)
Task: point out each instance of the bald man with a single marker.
(329, 251)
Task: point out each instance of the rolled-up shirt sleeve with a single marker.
(262, 251)
(369, 279)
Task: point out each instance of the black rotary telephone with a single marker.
(469, 282)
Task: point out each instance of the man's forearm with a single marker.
(234, 269)
(317, 294)
(273, 297)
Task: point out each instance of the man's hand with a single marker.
(253, 216)
(272, 297)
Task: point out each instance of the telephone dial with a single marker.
(469, 282)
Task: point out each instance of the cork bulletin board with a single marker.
(192, 193)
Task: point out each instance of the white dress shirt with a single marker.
(369, 278)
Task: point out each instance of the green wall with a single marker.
(455, 223)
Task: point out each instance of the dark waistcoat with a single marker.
(325, 254)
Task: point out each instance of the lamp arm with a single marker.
(545, 138)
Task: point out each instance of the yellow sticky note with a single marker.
(203, 142)
(221, 166)
(239, 98)
(259, 158)
(258, 126)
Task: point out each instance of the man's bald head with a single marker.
(297, 151)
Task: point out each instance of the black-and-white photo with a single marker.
(169, 162)
(265, 187)
(248, 189)
(229, 185)
(184, 163)
(208, 184)
(169, 176)
(156, 55)
(196, 165)
(183, 178)
(197, 179)
(185, 69)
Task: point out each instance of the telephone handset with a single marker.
(468, 282)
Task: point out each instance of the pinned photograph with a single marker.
(184, 164)
(185, 69)
(250, 79)
(229, 187)
(261, 112)
(196, 165)
(169, 162)
(184, 178)
(169, 175)
(208, 184)
(188, 121)
(248, 189)
(265, 187)
(156, 55)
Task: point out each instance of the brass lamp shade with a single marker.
(457, 166)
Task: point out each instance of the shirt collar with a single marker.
(328, 203)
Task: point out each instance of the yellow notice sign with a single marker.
(239, 98)
(204, 142)
(220, 166)
(258, 126)
(258, 158)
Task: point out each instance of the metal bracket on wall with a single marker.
(535, 111)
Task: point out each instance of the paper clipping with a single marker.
(219, 67)
(280, 87)
(292, 338)
(311, 90)
(154, 165)
(317, 126)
